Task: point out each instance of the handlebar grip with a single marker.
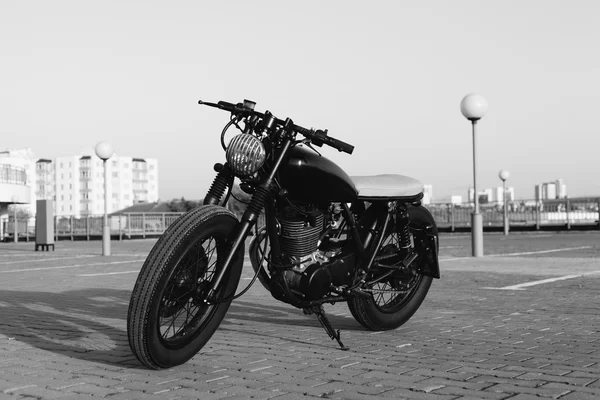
(341, 146)
(226, 106)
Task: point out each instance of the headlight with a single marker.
(245, 154)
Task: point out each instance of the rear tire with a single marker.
(382, 311)
(168, 321)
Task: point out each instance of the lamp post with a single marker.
(473, 107)
(104, 151)
(504, 176)
(16, 226)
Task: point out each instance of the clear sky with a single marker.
(386, 76)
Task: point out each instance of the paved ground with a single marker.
(521, 323)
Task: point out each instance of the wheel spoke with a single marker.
(196, 266)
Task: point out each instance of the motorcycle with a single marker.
(326, 238)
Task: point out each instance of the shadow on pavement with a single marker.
(87, 324)
(90, 324)
(283, 314)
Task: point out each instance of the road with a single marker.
(520, 323)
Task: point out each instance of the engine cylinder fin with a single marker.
(299, 239)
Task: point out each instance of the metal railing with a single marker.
(561, 213)
(128, 225)
(528, 215)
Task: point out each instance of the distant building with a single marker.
(499, 194)
(551, 190)
(79, 183)
(510, 194)
(456, 199)
(75, 183)
(492, 195)
(427, 194)
(17, 180)
(561, 188)
(18, 177)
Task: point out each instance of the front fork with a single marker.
(249, 218)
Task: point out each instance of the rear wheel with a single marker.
(169, 319)
(395, 299)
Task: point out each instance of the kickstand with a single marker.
(320, 313)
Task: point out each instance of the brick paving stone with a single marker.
(537, 342)
(413, 395)
(568, 388)
(247, 392)
(558, 379)
(469, 385)
(499, 372)
(38, 392)
(576, 395)
(293, 388)
(291, 396)
(485, 379)
(515, 388)
(462, 392)
(349, 387)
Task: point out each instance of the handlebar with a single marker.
(317, 137)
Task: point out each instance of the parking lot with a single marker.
(520, 323)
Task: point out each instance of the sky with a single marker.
(385, 76)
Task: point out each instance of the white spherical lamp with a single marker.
(104, 150)
(503, 175)
(473, 106)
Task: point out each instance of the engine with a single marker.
(299, 235)
(310, 271)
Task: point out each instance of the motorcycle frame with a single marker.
(263, 198)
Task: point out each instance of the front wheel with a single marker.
(169, 318)
(396, 299)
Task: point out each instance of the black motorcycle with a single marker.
(322, 237)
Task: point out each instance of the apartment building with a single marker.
(76, 183)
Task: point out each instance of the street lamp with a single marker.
(15, 199)
(504, 176)
(104, 151)
(473, 107)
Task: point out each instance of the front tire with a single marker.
(394, 301)
(168, 320)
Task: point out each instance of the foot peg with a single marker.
(320, 313)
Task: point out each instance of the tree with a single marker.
(238, 204)
(22, 213)
(182, 205)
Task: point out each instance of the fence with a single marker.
(526, 215)
(523, 214)
(130, 225)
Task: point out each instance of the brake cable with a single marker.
(236, 296)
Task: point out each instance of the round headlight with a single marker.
(245, 154)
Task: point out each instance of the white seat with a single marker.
(387, 186)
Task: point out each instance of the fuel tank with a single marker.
(309, 177)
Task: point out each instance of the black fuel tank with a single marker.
(309, 177)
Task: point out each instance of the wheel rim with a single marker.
(392, 294)
(182, 311)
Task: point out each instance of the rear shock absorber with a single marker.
(402, 227)
(223, 179)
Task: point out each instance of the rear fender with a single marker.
(425, 234)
